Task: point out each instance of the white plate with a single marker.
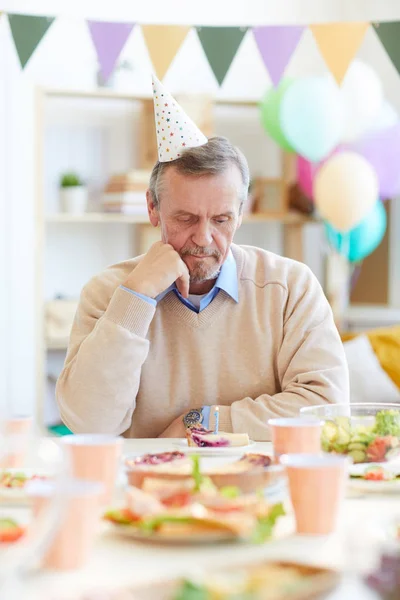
(358, 469)
(357, 484)
(222, 450)
(16, 495)
(155, 538)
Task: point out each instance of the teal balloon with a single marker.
(270, 108)
(311, 117)
(361, 241)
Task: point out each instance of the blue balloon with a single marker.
(361, 241)
(312, 117)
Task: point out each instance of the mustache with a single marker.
(200, 251)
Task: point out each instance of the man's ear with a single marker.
(152, 209)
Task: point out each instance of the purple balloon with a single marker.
(382, 150)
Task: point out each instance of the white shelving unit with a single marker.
(97, 133)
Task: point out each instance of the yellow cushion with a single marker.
(386, 345)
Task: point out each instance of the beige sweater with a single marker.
(132, 368)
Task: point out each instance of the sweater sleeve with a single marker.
(96, 391)
(311, 364)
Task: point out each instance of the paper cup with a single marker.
(95, 457)
(317, 484)
(17, 432)
(295, 435)
(73, 541)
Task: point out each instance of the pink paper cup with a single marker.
(17, 431)
(95, 457)
(73, 540)
(295, 435)
(317, 484)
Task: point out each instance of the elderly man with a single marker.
(160, 340)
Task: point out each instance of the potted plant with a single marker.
(73, 194)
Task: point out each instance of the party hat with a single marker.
(175, 130)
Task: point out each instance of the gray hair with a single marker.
(212, 158)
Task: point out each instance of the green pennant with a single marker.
(389, 34)
(27, 32)
(220, 45)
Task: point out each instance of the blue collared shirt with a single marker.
(226, 281)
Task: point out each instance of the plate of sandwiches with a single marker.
(200, 440)
(266, 580)
(13, 484)
(193, 510)
(377, 478)
(250, 472)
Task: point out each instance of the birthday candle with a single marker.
(216, 415)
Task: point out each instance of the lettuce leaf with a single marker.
(192, 591)
(387, 422)
(265, 525)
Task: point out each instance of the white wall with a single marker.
(66, 58)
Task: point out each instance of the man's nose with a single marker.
(202, 235)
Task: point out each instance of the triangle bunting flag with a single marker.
(389, 35)
(220, 45)
(27, 32)
(163, 43)
(109, 40)
(338, 44)
(277, 45)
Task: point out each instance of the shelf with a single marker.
(97, 218)
(291, 218)
(106, 94)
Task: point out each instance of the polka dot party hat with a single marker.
(175, 130)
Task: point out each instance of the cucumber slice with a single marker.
(325, 445)
(358, 456)
(343, 437)
(356, 446)
(344, 423)
(340, 449)
(329, 431)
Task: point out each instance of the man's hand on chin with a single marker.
(175, 430)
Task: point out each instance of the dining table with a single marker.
(117, 562)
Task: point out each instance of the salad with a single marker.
(364, 438)
(10, 531)
(268, 581)
(9, 479)
(195, 506)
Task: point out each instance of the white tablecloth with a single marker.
(118, 562)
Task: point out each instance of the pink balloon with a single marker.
(305, 175)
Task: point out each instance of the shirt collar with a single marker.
(227, 280)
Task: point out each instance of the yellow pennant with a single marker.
(163, 43)
(338, 44)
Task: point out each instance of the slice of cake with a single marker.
(205, 438)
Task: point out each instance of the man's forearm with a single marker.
(97, 388)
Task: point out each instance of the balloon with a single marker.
(345, 190)
(363, 239)
(305, 175)
(312, 116)
(270, 109)
(382, 150)
(362, 97)
(386, 118)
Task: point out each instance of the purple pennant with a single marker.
(109, 39)
(276, 45)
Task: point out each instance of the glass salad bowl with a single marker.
(366, 432)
